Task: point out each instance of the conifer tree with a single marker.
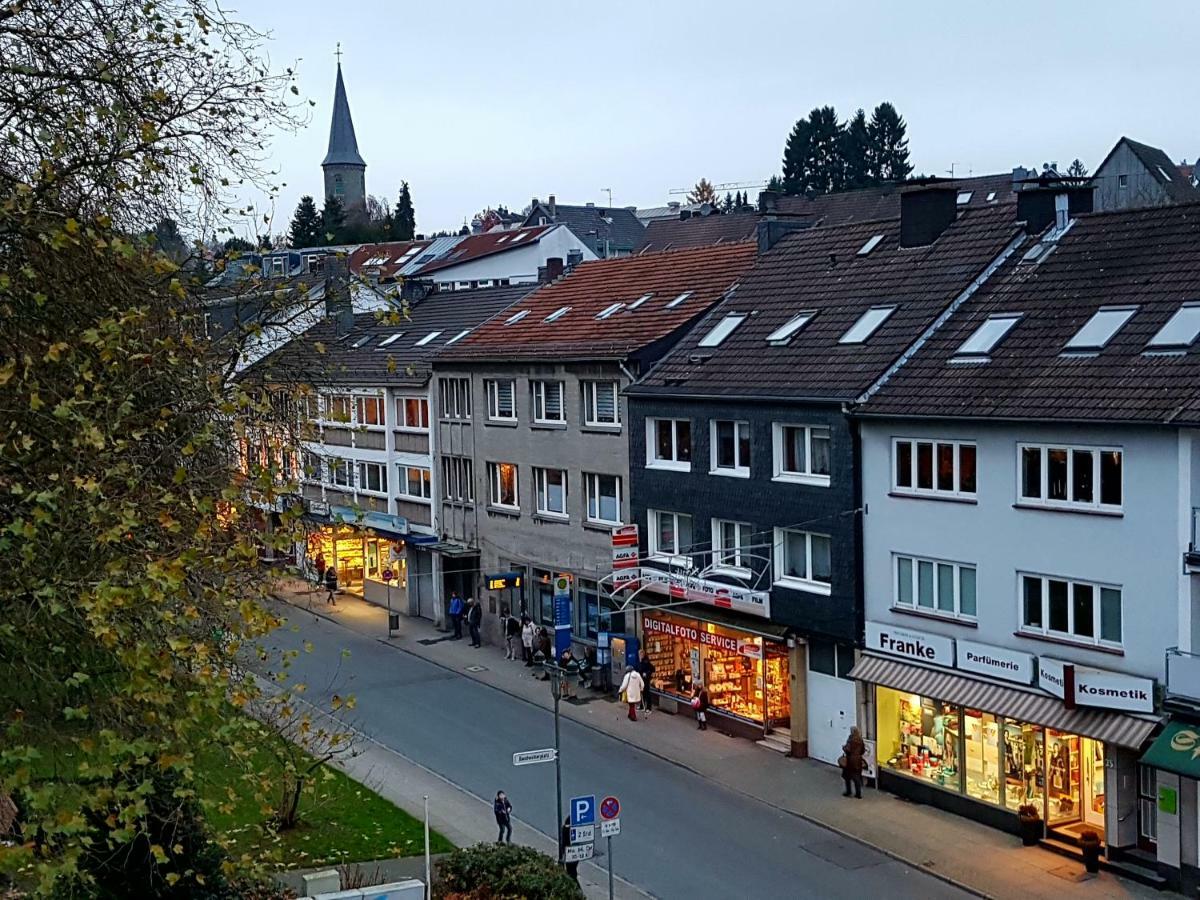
(333, 221)
(889, 144)
(305, 230)
(856, 153)
(404, 220)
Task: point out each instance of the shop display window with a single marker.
(1024, 765)
(919, 736)
(1064, 777)
(981, 755)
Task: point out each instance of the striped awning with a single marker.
(1124, 729)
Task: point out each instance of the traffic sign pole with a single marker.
(610, 877)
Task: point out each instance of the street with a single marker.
(682, 836)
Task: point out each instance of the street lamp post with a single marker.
(557, 674)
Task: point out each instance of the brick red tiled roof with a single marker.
(391, 253)
(478, 245)
(698, 231)
(1148, 258)
(592, 287)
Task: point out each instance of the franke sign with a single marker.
(1095, 687)
(698, 590)
(914, 645)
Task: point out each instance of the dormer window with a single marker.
(1100, 328)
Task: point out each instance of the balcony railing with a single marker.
(1183, 675)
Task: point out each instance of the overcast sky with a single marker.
(486, 103)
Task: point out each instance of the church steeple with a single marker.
(345, 170)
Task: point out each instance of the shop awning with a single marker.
(705, 613)
(1125, 729)
(1177, 750)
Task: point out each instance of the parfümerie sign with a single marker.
(996, 662)
(1096, 687)
(917, 646)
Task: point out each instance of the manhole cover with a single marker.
(476, 668)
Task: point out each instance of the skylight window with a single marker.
(991, 196)
(501, 240)
(640, 300)
(722, 330)
(362, 342)
(1164, 172)
(674, 303)
(429, 337)
(1181, 329)
(557, 314)
(866, 324)
(516, 317)
(870, 245)
(784, 332)
(390, 339)
(964, 197)
(520, 236)
(609, 310)
(988, 335)
(1100, 328)
(458, 337)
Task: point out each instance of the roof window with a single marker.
(501, 240)
(870, 245)
(722, 330)
(609, 310)
(429, 337)
(1100, 328)
(674, 303)
(991, 196)
(520, 236)
(784, 333)
(390, 339)
(1164, 172)
(984, 339)
(458, 337)
(516, 317)
(640, 300)
(1181, 329)
(557, 314)
(866, 324)
(964, 197)
(362, 342)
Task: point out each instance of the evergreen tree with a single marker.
(797, 159)
(305, 230)
(827, 166)
(333, 221)
(238, 245)
(404, 221)
(889, 144)
(702, 192)
(856, 153)
(1077, 169)
(775, 183)
(728, 204)
(168, 241)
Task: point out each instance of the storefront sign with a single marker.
(562, 615)
(1095, 687)
(702, 590)
(869, 760)
(750, 648)
(1051, 677)
(625, 547)
(651, 625)
(317, 507)
(914, 645)
(996, 662)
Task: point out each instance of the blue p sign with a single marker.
(583, 810)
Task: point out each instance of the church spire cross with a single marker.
(338, 52)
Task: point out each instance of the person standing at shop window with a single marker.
(474, 618)
(564, 662)
(527, 635)
(851, 762)
(456, 614)
(646, 669)
(632, 686)
(331, 585)
(700, 705)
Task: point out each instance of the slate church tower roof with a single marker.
(344, 168)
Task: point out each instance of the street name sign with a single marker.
(582, 834)
(579, 852)
(610, 828)
(532, 757)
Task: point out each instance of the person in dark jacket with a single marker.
(331, 585)
(646, 670)
(503, 810)
(572, 867)
(456, 614)
(512, 635)
(852, 763)
(321, 566)
(474, 617)
(700, 705)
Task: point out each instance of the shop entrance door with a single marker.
(1093, 785)
(831, 704)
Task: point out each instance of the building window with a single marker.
(372, 477)
(457, 479)
(312, 466)
(369, 411)
(412, 413)
(934, 586)
(934, 468)
(731, 544)
(551, 488)
(501, 402)
(670, 533)
(341, 472)
(600, 403)
(587, 609)
(731, 448)
(801, 453)
(1122, 181)
(1071, 477)
(1075, 610)
(502, 482)
(803, 560)
(337, 408)
(455, 396)
(603, 498)
(548, 401)
(669, 443)
(414, 483)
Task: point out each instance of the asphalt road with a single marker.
(681, 836)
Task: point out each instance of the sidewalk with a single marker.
(982, 860)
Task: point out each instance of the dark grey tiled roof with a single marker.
(1148, 258)
(588, 223)
(1165, 172)
(343, 146)
(820, 270)
(697, 231)
(871, 204)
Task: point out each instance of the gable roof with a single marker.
(821, 270)
(591, 288)
(386, 260)
(343, 145)
(1162, 170)
(594, 225)
(872, 204)
(400, 361)
(698, 231)
(1145, 258)
(477, 246)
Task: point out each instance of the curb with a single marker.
(807, 817)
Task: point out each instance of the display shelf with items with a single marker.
(779, 703)
(660, 651)
(926, 743)
(730, 679)
(1024, 767)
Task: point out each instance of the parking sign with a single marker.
(583, 810)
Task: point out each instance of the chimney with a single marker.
(684, 215)
(770, 231)
(554, 268)
(926, 212)
(672, 204)
(338, 305)
(1020, 174)
(553, 207)
(574, 258)
(541, 274)
(1039, 207)
(768, 201)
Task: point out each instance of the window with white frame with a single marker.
(372, 477)
(412, 413)
(669, 443)
(550, 485)
(502, 484)
(933, 468)
(802, 453)
(1070, 477)
(368, 410)
(730, 447)
(603, 498)
(501, 400)
(413, 482)
(803, 560)
(934, 586)
(310, 408)
(731, 544)
(455, 394)
(338, 408)
(341, 472)
(1072, 610)
(457, 483)
(311, 463)
(600, 403)
(548, 401)
(670, 533)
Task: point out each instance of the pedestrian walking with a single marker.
(646, 670)
(331, 585)
(474, 618)
(700, 705)
(527, 635)
(320, 566)
(542, 643)
(512, 635)
(456, 614)
(851, 762)
(503, 810)
(632, 687)
(564, 690)
(572, 867)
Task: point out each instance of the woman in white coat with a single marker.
(527, 632)
(632, 686)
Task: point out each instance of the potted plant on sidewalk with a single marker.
(1030, 821)
(1090, 842)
